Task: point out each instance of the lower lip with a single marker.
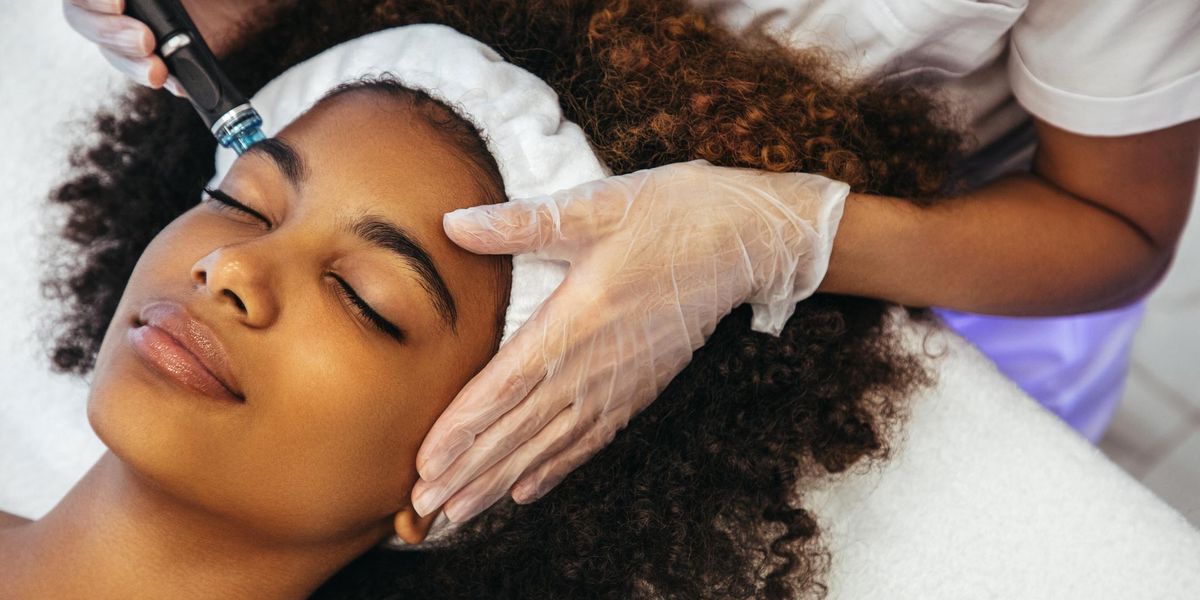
(169, 358)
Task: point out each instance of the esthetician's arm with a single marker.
(1094, 226)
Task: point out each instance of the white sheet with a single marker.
(987, 496)
(47, 78)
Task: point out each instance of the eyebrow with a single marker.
(375, 230)
(395, 239)
(285, 156)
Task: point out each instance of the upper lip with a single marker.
(196, 337)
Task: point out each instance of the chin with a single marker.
(196, 452)
(159, 432)
(144, 436)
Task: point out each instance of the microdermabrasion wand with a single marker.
(227, 113)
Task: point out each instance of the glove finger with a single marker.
(493, 485)
(580, 359)
(118, 33)
(505, 381)
(172, 85)
(602, 413)
(150, 72)
(556, 466)
(586, 383)
(550, 225)
(513, 227)
(112, 7)
(508, 433)
(586, 376)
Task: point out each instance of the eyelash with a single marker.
(347, 293)
(365, 311)
(226, 202)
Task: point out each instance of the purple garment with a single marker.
(1074, 366)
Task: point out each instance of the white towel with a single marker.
(988, 495)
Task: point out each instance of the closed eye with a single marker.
(365, 312)
(355, 302)
(226, 202)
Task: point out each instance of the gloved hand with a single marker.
(657, 258)
(125, 42)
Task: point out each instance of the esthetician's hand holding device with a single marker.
(129, 45)
(172, 42)
(125, 42)
(657, 258)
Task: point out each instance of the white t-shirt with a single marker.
(1094, 67)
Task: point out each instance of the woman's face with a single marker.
(327, 407)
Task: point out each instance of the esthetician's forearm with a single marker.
(1012, 248)
(1024, 245)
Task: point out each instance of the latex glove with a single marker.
(125, 42)
(657, 259)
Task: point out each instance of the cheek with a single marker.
(328, 445)
(120, 405)
(165, 265)
(337, 428)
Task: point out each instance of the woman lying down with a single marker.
(333, 320)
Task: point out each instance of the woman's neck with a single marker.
(116, 536)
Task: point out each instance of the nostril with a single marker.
(237, 301)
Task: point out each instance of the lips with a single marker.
(184, 349)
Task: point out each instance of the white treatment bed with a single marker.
(986, 495)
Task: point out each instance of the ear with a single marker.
(412, 528)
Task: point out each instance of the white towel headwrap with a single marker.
(537, 150)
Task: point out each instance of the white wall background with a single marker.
(48, 79)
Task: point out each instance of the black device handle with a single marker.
(189, 59)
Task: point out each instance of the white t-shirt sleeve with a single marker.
(1108, 67)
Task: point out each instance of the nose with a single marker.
(240, 280)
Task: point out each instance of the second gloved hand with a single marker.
(657, 258)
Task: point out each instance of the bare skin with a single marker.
(209, 497)
(1093, 227)
(116, 536)
(8, 520)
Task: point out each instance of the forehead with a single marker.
(367, 153)
(374, 144)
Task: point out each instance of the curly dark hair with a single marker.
(700, 497)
